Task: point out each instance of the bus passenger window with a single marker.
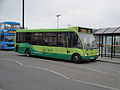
(20, 37)
(69, 39)
(50, 39)
(61, 39)
(8, 26)
(76, 41)
(28, 37)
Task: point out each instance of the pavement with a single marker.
(109, 60)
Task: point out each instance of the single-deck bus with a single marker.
(74, 43)
(7, 33)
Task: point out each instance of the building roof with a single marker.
(100, 31)
(117, 31)
(109, 31)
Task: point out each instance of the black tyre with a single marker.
(93, 60)
(76, 58)
(27, 52)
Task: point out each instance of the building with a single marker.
(108, 41)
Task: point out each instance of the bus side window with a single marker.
(69, 42)
(41, 41)
(20, 37)
(61, 39)
(28, 37)
(76, 43)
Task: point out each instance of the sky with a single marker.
(42, 13)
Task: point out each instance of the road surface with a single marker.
(18, 72)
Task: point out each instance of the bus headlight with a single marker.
(86, 54)
(97, 53)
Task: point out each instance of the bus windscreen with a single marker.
(88, 41)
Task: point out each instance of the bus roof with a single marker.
(9, 22)
(45, 30)
(69, 29)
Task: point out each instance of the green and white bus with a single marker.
(74, 43)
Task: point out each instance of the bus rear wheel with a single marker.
(27, 52)
(76, 58)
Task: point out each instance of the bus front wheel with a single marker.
(27, 52)
(76, 58)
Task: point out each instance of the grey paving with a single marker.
(109, 60)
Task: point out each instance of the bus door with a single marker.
(73, 43)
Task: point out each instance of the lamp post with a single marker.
(58, 20)
(22, 14)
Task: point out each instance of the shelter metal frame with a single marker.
(107, 42)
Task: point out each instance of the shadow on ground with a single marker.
(58, 60)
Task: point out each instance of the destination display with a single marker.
(85, 30)
(11, 31)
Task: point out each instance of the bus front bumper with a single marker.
(89, 58)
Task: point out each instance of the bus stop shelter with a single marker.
(108, 41)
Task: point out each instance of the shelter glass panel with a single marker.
(107, 41)
(117, 46)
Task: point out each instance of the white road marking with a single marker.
(19, 63)
(12, 61)
(96, 70)
(94, 84)
(48, 70)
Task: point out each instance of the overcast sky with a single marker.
(42, 13)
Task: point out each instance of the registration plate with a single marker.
(91, 57)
